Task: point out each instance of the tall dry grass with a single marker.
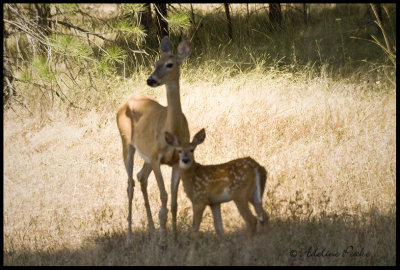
(329, 146)
(315, 104)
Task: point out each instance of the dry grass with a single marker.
(329, 147)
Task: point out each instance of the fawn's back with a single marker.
(236, 179)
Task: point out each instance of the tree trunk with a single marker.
(162, 25)
(8, 78)
(248, 19)
(228, 17)
(305, 14)
(43, 15)
(275, 15)
(192, 13)
(146, 18)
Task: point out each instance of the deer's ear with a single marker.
(184, 49)
(199, 137)
(171, 139)
(166, 45)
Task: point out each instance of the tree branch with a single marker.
(93, 34)
(81, 29)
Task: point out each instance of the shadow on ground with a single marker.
(331, 240)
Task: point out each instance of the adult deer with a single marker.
(241, 180)
(142, 123)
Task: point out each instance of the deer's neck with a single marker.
(174, 109)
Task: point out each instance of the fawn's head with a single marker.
(168, 66)
(185, 151)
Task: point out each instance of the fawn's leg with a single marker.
(263, 216)
(174, 196)
(245, 212)
(216, 211)
(198, 210)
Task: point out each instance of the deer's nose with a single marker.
(185, 160)
(151, 82)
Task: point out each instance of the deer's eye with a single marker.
(169, 65)
(180, 151)
(191, 150)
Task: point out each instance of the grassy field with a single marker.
(328, 142)
(329, 147)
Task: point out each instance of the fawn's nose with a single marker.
(185, 160)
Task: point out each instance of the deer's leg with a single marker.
(130, 151)
(142, 176)
(125, 127)
(175, 178)
(163, 213)
(216, 211)
(245, 212)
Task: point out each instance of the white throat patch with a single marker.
(183, 165)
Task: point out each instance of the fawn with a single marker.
(241, 180)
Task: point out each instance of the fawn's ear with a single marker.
(184, 49)
(171, 139)
(166, 45)
(199, 137)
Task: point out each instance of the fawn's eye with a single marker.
(180, 151)
(169, 65)
(191, 150)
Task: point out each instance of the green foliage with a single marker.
(129, 27)
(131, 31)
(41, 67)
(104, 68)
(133, 9)
(25, 76)
(70, 46)
(114, 55)
(110, 58)
(68, 9)
(178, 21)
